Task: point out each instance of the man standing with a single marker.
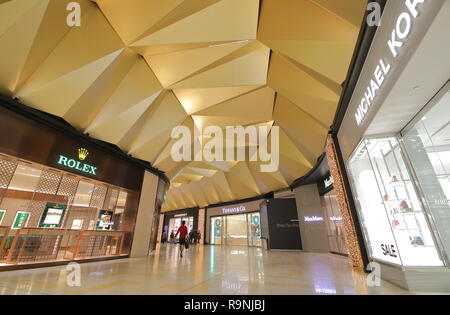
(182, 230)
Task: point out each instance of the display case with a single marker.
(395, 225)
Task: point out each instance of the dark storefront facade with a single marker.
(63, 196)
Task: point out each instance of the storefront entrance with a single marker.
(241, 229)
(175, 223)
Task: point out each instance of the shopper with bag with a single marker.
(183, 231)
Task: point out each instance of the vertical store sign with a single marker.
(397, 40)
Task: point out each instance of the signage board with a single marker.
(53, 215)
(21, 219)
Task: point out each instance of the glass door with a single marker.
(254, 229)
(216, 231)
(236, 230)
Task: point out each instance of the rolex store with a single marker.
(63, 197)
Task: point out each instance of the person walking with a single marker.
(199, 236)
(191, 237)
(183, 231)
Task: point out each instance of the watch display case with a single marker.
(394, 222)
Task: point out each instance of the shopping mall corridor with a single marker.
(203, 270)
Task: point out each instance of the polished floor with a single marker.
(203, 270)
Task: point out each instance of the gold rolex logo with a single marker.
(82, 154)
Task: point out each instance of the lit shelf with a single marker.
(409, 213)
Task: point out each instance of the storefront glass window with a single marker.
(335, 223)
(428, 146)
(395, 226)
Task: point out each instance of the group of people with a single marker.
(193, 237)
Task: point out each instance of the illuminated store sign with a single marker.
(234, 210)
(335, 219)
(313, 219)
(180, 215)
(395, 42)
(78, 165)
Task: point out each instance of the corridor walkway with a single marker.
(203, 270)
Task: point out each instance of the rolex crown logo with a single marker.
(82, 154)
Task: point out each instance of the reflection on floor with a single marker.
(203, 270)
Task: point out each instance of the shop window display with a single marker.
(50, 215)
(394, 222)
(335, 223)
(427, 143)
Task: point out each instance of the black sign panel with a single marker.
(284, 230)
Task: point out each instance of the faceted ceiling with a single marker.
(135, 69)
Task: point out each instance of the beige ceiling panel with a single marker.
(164, 159)
(289, 149)
(195, 100)
(115, 128)
(301, 89)
(84, 111)
(172, 67)
(250, 69)
(266, 181)
(14, 52)
(209, 191)
(81, 46)
(350, 10)
(139, 85)
(329, 58)
(167, 49)
(301, 20)
(13, 11)
(58, 96)
(187, 195)
(223, 21)
(307, 134)
(255, 106)
(51, 32)
(164, 116)
(223, 188)
(242, 182)
(185, 9)
(143, 14)
(292, 169)
(198, 195)
(203, 171)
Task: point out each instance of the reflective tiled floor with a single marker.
(203, 270)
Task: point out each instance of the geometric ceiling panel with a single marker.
(198, 59)
(195, 100)
(303, 20)
(350, 10)
(309, 94)
(251, 66)
(224, 21)
(135, 70)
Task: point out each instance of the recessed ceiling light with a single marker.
(416, 88)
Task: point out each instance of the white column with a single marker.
(144, 220)
(314, 233)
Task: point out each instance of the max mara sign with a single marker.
(394, 44)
